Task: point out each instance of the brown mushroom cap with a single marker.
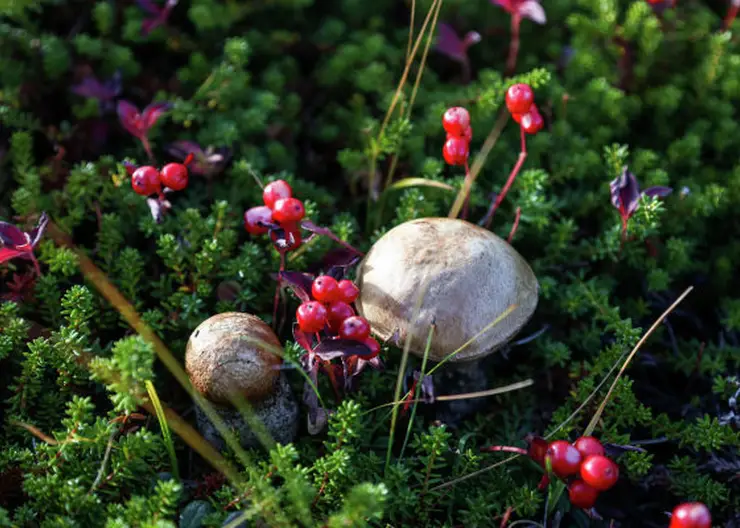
(224, 357)
(471, 277)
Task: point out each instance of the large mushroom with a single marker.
(455, 275)
(232, 355)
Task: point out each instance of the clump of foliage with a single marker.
(344, 100)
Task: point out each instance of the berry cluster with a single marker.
(147, 180)
(456, 122)
(691, 515)
(583, 463)
(331, 310)
(280, 210)
(520, 102)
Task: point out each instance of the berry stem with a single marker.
(731, 14)
(513, 45)
(516, 224)
(467, 195)
(507, 449)
(147, 148)
(510, 180)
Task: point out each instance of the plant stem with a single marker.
(467, 195)
(506, 449)
(514, 227)
(516, 21)
(510, 180)
(276, 300)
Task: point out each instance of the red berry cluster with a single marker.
(147, 180)
(280, 208)
(583, 463)
(691, 515)
(332, 309)
(520, 102)
(456, 122)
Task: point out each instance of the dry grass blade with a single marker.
(423, 62)
(474, 473)
(128, 312)
(402, 371)
(480, 159)
(597, 415)
(35, 431)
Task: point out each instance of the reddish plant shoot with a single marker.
(731, 14)
(139, 123)
(599, 472)
(691, 515)
(519, 9)
(16, 243)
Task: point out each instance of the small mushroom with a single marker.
(227, 356)
(470, 277)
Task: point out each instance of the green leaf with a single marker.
(193, 514)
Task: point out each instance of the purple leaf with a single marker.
(325, 231)
(12, 236)
(153, 112)
(205, 162)
(7, 254)
(302, 338)
(532, 10)
(38, 231)
(299, 282)
(149, 6)
(427, 389)
(337, 261)
(92, 88)
(449, 43)
(658, 191)
(471, 37)
(130, 119)
(330, 349)
(625, 193)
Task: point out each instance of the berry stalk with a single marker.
(516, 22)
(510, 180)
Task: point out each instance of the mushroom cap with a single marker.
(471, 277)
(224, 357)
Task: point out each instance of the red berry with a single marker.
(175, 176)
(338, 312)
(468, 134)
(518, 117)
(292, 235)
(374, 347)
(588, 445)
(691, 515)
(254, 219)
(325, 289)
(538, 449)
(532, 121)
(599, 472)
(348, 291)
(145, 181)
(288, 210)
(311, 317)
(455, 151)
(564, 458)
(582, 495)
(519, 98)
(355, 328)
(456, 120)
(274, 191)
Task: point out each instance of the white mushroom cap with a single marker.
(471, 277)
(224, 357)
